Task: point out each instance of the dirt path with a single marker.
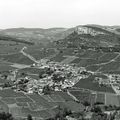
(19, 66)
(27, 55)
(104, 63)
(112, 60)
(68, 59)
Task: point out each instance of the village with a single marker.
(56, 76)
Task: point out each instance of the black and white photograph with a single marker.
(59, 59)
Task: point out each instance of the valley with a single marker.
(66, 73)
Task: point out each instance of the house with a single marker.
(70, 118)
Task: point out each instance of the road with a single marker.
(74, 98)
(19, 66)
(27, 55)
(112, 60)
(104, 63)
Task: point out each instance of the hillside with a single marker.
(109, 34)
(91, 36)
(9, 38)
(37, 35)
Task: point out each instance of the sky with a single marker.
(58, 13)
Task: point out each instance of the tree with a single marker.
(46, 89)
(6, 116)
(86, 103)
(66, 112)
(23, 74)
(4, 76)
(96, 109)
(57, 78)
(41, 73)
(29, 117)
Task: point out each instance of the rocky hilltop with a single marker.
(92, 36)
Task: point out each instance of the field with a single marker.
(76, 107)
(10, 52)
(88, 83)
(85, 62)
(10, 93)
(23, 99)
(31, 70)
(112, 99)
(81, 95)
(68, 59)
(113, 66)
(10, 56)
(5, 67)
(96, 97)
(9, 47)
(64, 95)
(40, 53)
(36, 105)
(54, 98)
(58, 58)
(100, 98)
(90, 59)
(89, 54)
(107, 57)
(93, 68)
(17, 58)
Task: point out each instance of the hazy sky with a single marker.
(58, 13)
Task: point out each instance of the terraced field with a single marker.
(100, 98)
(20, 104)
(81, 95)
(64, 95)
(112, 99)
(97, 97)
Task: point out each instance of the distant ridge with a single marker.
(45, 36)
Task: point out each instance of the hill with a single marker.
(14, 39)
(40, 35)
(92, 36)
(35, 34)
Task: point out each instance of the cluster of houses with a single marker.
(59, 76)
(115, 82)
(102, 81)
(56, 76)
